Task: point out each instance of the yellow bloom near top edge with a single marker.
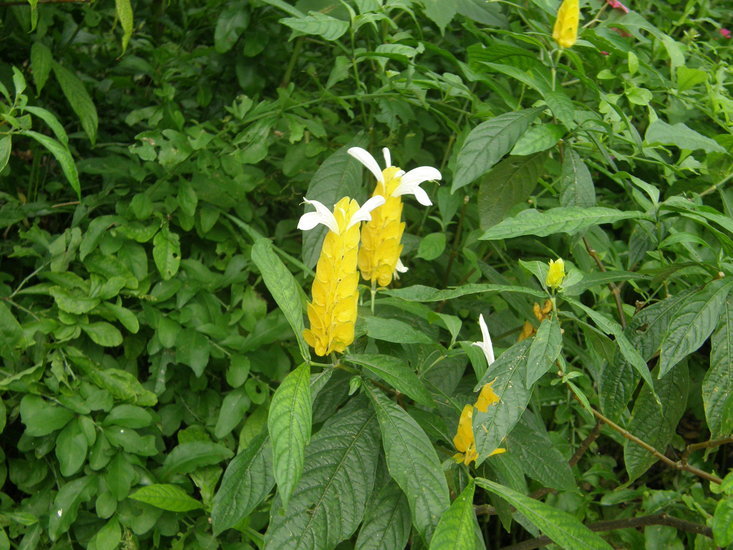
(565, 31)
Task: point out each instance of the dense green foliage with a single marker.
(155, 387)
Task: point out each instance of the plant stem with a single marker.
(615, 290)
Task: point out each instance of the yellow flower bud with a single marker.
(565, 32)
(555, 273)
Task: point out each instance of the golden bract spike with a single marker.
(565, 31)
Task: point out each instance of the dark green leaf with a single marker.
(393, 330)
(192, 349)
(576, 182)
(455, 528)
(167, 252)
(717, 386)
(166, 497)
(431, 246)
(386, 521)
(421, 293)
(319, 24)
(544, 350)
(233, 19)
(188, 457)
(680, 135)
(42, 417)
(62, 156)
(397, 373)
(103, 333)
(66, 505)
(41, 63)
(79, 99)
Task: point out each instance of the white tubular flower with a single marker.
(410, 183)
(322, 215)
(364, 213)
(486, 345)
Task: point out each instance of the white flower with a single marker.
(323, 215)
(409, 181)
(486, 345)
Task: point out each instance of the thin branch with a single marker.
(25, 3)
(615, 290)
(704, 445)
(616, 524)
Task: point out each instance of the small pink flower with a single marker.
(615, 4)
(725, 33)
(621, 32)
(603, 52)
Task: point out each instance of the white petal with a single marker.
(366, 158)
(421, 174)
(363, 214)
(414, 189)
(387, 158)
(322, 215)
(400, 267)
(486, 345)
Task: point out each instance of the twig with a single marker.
(613, 286)
(25, 3)
(616, 524)
(704, 445)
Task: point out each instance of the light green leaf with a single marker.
(42, 417)
(50, 119)
(319, 24)
(387, 520)
(329, 502)
(188, 457)
(654, 423)
(565, 219)
(564, 529)
(431, 246)
(576, 182)
(192, 349)
(723, 523)
(680, 135)
(693, 323)
(538, 138)
(247, 481)
(66, 504)
(509, 376)
(422, 293)
(124, 14)
(281, 284)
(10, 330)
(412, 462)
(455, 528)
(717, 386)
(41, 63)
(103, 333)
(233, 409)
(6, 146)
(79, 99)
(397, 373)
(289, 425)
(109, 536)
(393, 330)
(440, 12)
(166, 497)
(488, 142)
(167, 252)
(71, 448)
(545, 348)
(562, 107)
(62, 156)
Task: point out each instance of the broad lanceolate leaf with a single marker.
(41, 62)
(62, 156)
(394, 330)
(488, 142)
(6, 146)
(565, 219)
(723, 523)
(167, 252)
(422, 293)
(509, 376)
(693, 323)
(319, 24)
(66, 504)
(509, 183)
(281, 284)
(412, 462)
(717, 386)
(653, 423)
(124, 14)
(455, 528)
(329, 501)
(166, 497)
(79, 99)
(680, 135)
(232, 21)
(247, 481)
(289, 424)
(397, 373)
(191, 455)
(544, 350)
(576, 182)
(387, 521)
(564, 529)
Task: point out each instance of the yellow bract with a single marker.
(486, 398)
(381, 238)
(332, 313)
(555, 273)
(464, 440)
(565, 32)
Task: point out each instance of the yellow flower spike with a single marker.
(565, 31)
(527, 330)
(555, 273)
(487, 397)
(381, 238)
(332, 313)
(464, 440)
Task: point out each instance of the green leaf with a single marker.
(329, 502)
(439, 12)
(387, 520)
(717, 386)
(455, 528)
(192, 349)
(723, 523)
(71, 448)
(49, 118)
(109, 536)
(128, 416)
(562, 107)
(103, 333)
(10, 330)
(509, 376)
(318, 24)
(680, 135)
(281, 284)
(79, 99)
(422, 293)
(488, 142)
(232, 21)
(576, 182)
(167, 252)
(62, 156)
(66, 504)
(233, 408)
(654, 423)
(412, 462)
(509, 183)
(397, 373)
(42, 417)
(565, 219)
(289, 425)
(393, 330)
(693, 323)
(41, 63)
(544, 350)
(188, 457)
(247, 481)
(564, 529)
(123, 385)
(124, 14)
(537, 139)
(431, 246)
(166, 497)
(6, 146)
